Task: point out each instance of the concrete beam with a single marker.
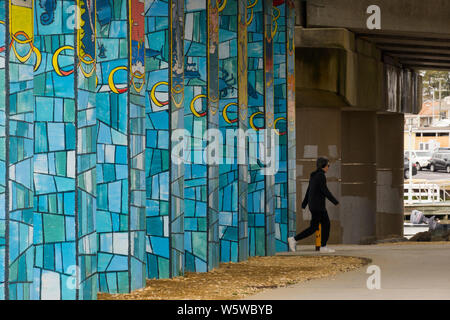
(406, 25)
(426, 63)
(421, 56)
(393, 39)
(403, 16)
(331, 67)
(427, 67)
(335, 70)
(404, 49)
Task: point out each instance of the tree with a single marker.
(431, 80)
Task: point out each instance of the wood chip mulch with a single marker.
(238, 280)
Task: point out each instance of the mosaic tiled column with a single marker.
(16, 149)
(280, 96)
(261, 216)
(86, 151)
(164, 115)
(280, 85)
(4, 286)
(201, 115)
(291, 132)
(120, 102)
(65, 152)
(136, 147)
(233, 219)
(243, 242)
(269, 126)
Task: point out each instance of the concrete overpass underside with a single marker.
(415, 33)
(353, 87)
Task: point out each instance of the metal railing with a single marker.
(425, 193)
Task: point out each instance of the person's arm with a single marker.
(305, 201)
(325, 191)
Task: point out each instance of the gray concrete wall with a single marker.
(358, 195)
(349, 108)
(390, 208)
(318, 134)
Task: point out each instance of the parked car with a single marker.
(421, 158)
(440, 161)
(406, 168)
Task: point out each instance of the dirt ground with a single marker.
(237, 280)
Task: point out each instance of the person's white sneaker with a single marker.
(292, 244)
(326, 250)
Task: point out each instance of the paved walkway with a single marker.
(416, 271)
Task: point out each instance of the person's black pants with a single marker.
(317, 217)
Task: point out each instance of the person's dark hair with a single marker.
(322, 162)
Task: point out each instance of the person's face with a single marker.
(325, 169)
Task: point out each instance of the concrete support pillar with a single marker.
(389, 216)
(165, 116)
(261, 209)
(318, 134)
(64, 172)
(358, 175)
(201, 228)
(233, 219)
(291, 121)
(16, 145)
(120, 102)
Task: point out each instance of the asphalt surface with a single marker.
(406, 272)
(429, 175)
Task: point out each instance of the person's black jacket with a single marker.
(317, 191)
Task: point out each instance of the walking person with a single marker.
(315, 198)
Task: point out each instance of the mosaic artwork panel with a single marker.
(136, 146)
(201, 113)
(86, 151)
(17, 206)
(65, 153)
(228, 171)
(55, 156)
(233, 102)
(290, 71)
(213, 157)
(280, 125)
(243, 126)
(120, 103)
(157, 139)
(94, 194)
(256, 112)
(164, 243)
(177, 258)
(269, 125)
(112, 147)
(3, 139)
(261, 216)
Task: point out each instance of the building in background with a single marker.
(428, 131)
